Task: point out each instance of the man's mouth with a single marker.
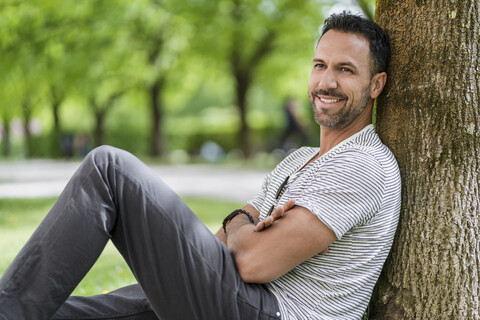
(328, 96)
(329, 100)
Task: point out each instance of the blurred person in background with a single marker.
(294, 134)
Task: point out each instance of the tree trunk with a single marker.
(100, 112)
(56, 100)
(27, 115)
(242, 81)
(156, 138)
(55, 148)
(429, 117)
(98, 134)
(6, 145)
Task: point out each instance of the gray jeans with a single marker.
(183, 270)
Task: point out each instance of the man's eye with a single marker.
(344, 69)
(318, 65)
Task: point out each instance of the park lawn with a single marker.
(19, 218)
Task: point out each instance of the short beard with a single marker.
(344, 116)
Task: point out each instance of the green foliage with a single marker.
(19, 217)
(83, 66)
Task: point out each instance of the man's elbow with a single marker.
(251, 271)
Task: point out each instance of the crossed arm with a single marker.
(274, 246)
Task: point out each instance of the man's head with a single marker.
(347, 73)
(376, 37)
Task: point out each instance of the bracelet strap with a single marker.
(233, 215)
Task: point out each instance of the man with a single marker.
(310, 245)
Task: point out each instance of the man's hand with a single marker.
(255, 214)
(277, 213)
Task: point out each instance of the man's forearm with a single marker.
(233, 230)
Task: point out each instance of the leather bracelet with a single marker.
(233, 215)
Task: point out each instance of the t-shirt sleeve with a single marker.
(258, 199)
(344, 192)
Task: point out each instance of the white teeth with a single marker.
(329, 100)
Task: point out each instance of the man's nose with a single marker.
(327, 80)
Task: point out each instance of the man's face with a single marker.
(340, 82)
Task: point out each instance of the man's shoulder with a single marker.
(363, 160)
(368, 146)
(304, 150)
(299, 155)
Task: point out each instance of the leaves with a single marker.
(192, 54)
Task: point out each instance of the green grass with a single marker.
(19, 218)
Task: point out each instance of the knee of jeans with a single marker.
(103, 152)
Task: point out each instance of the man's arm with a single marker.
(266, 251)
(250, 209)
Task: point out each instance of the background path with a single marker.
(47, 178)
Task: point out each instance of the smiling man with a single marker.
(310, 245)
(340, 81)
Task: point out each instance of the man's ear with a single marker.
(377, 85)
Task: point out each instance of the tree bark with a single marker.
(429, 117)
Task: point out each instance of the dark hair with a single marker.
(376, 37)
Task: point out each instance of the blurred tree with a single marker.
(247, 33)
(174, 50)
(7, 112)
(31, 52)
(6, 140)
(20, 46)
(156, 31)
(60, 61)
(104, 58)
(429, 117)
(8, 41)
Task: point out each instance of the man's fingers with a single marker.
(260, 226)
(289, 204)
(276, 214)
(265, 223)
(268, 221)
(280, 210)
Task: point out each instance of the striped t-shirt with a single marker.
(355, 190)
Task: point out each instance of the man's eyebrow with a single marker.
(348, 64)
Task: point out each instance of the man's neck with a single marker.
(331, 136)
